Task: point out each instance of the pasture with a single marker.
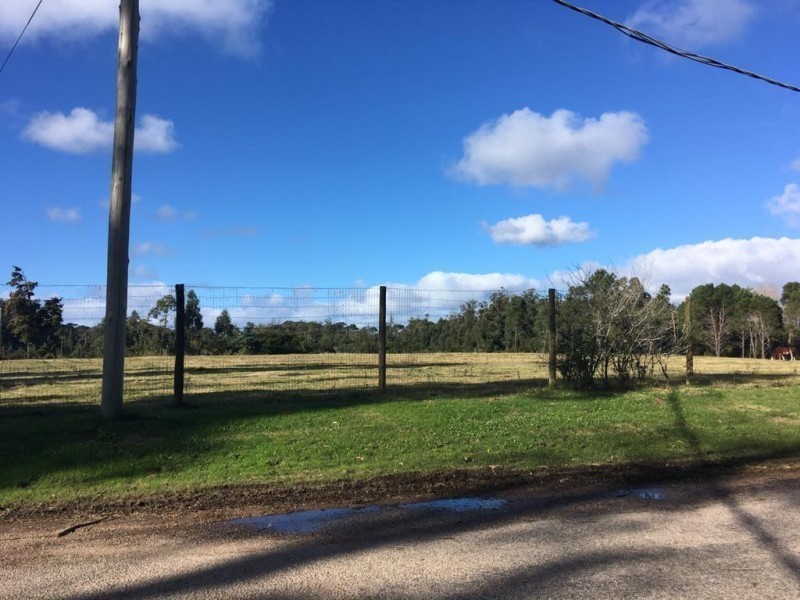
(293, 419)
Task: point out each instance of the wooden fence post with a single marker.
(551, 362)
(180, 342)
(382, 340)
(688, 332)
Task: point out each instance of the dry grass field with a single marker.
(150, 378)
(286, 420)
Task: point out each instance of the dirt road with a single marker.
(731, 538)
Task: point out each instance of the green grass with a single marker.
(57, 450)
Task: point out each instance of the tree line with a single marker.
(607, 325)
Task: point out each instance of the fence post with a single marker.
(551, 362)
(180, 342)
(382, 339)
(687, 319)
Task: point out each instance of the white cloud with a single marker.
(234, 24)
(151, 249)
(437, 294)
(143, 272)
(155, 135)
(758, 263)
(166, 212)
(63, 215)
(692, 24)
(83, 131)
(787, 204)
(748, 262)
(533, 230)
(526, 148)
(795, 166)
(441, 280)
(79, 132)
(87, 305)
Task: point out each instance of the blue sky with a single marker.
(423, 143)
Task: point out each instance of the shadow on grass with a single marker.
(274, 365)
(52, 436)
(658, 567)
(706, 380)
(581, 561)
(9, 377)
(782, 554)
(36, 440)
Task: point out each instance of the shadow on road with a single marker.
(750, 522)
(541, 576)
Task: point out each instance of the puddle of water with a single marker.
(642, 493)
(307, 521)
(458, 504)
(310, 521)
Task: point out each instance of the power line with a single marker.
(14, 47)
(646, 39)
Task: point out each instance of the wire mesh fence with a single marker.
(256, 340)
(464, 337)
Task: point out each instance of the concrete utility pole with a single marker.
(120, 212)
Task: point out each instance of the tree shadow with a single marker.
(711, 379)
(74, 424)
(54, 435)
(750, 522)
(539, 576)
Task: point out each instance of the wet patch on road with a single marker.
(311, 521)
(641, 493)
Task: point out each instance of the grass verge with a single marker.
(59, 452)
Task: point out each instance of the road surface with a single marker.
(732, 538)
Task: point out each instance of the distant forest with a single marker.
(728, 321)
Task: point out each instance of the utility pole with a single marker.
(120, 213)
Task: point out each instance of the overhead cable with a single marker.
(646, 39)
(14, 47)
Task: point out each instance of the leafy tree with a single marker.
(735, 321)
(20, 311)
(49, 319)
(161, 312)
(492, 322)
(520, 327)
(714, 308)
(764, 320)
(613, 326)
(464, 328)
(223, 325)
(249, 342)
(4, 332)
(194, 323)
(225, 332)
(790, 301)
(194, 319)
(142, 338)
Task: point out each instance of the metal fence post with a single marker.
(180, 342)
(382, 340)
